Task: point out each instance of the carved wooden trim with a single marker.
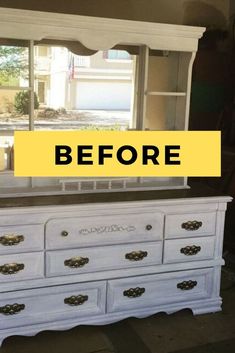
(96, 33)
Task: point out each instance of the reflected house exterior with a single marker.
(103, 81)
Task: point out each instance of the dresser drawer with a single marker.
(146, 291)
(77, 261)
(180, 250)
(52, 303)
(21, 266)
(103, 229)
(15, 239)
(191, 224)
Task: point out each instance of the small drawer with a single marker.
(104, 229)
(153, 290)
(77, 261)
(21, 266)
(182, 250)
(15, 239)
(51, 304)
(191, 224)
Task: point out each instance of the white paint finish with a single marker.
(159, 289)
(47, 304)
(102, 258)
(111, 274)
(171, 94)
(172, 249)
(33, 266)
(198, 307)
(142, 85)
(31, 84)
(219, 233)
(173, 228)
(33, 238)
(40, 214)
(105, 229)
(158, 277)
(25, 24)
(174, 40)
(188, 97)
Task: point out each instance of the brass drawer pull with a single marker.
(190, 250)
(76, 262)
(134, 292)
(187, 285)
(11, 309)
(11, 239)
(64, 233)
(76, 300)
(149, 227)
(136, 255)
(11, 269)
(191, 225)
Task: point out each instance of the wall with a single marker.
(204, 12)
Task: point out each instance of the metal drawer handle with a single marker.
(11, 269)
(11, 239)
(134, 292)
(76, 300)
(76, 262)
(187, 285)
(136, 255)
(191, 225)
(190, 250)
(11, 309)
(149, 227)
(64, 233)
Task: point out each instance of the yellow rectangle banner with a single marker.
(117, 153)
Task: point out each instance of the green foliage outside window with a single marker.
(22, 102)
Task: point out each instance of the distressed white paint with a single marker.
(175, 230)
(92, 230)
(36, 25)
(33, 238)
(108, 264)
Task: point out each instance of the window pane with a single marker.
(14, 111)
(14, 74)
(82, 92)
(14, 70)
(117, 55)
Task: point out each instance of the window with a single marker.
(96, 92)
(81, 61)
(72, 91)
(117, 55)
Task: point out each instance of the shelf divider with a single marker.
(170, 94)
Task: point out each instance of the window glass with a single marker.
(83, 92)
(113, 54)
(14, 74)
(14, 70)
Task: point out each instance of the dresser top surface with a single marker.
(196, 191)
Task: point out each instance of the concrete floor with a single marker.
(74, 119)
(161, 333)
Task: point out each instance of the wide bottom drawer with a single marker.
(153, 290)
(51, 304)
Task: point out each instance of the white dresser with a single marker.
(71, 260)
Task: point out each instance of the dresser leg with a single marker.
(2, 339)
